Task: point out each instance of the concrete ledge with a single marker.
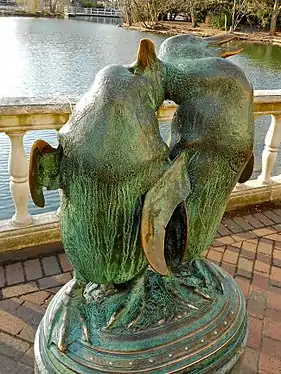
(255, 192)
(45, 229)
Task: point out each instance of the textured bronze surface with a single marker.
(202, 343)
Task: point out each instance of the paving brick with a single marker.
(51, 265)
(250, 245)
(237, 244)
(14, 273)
(253, 221)
(275, 277)
(276, 237)
(223, 231)
(261, 267)
(232, 226)
(54, 281)
(244, 236)
(229, 268)
(65, 264)
(28, 333)
(272, 216)
(245, 267)
(277, 211)
(54, 290)
(244, 285)
(274, 300)
(214, 256)
(10, 305)
(235, 247)
(266, 259)
(263, 219)
(255, 332)
(265, 231)
(249, 363)
(270, 357)
(12, 347)
(277, 227)
(223, 240)
(265, 246)
(250, 255)
(230, 257)
(28, 358)
(256, 304)
(260, 282)
(32, 269)
(219, 249)
(277, 246)
(38, 297)
(20, 289)
(276, 258)
(30, 313)
(244, 224)
(10, 323)
(9, 366)
(272, 324)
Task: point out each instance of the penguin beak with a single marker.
(219, 40)
(43, 170)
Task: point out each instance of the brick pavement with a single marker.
(248, 247)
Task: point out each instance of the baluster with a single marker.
(18, 170)
(58, 212)
(272, 142)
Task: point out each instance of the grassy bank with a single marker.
(176, 28)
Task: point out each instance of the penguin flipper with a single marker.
(160, 202)
(248, 170)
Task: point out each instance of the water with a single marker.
(61, 57)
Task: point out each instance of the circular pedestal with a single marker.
(210, 339)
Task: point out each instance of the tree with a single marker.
(240, 10)
(193, 7)
(274, 17)
(126, 7)
(148, 12)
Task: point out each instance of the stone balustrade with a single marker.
(19, 115)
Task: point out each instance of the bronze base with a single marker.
(210, 340)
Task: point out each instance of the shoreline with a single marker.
(30, 14)
(177, 28)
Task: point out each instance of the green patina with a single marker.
(130, 201)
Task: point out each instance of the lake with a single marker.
(50, 57)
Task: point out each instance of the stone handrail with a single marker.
(19, 115)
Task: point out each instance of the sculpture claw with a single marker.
(208, 273)
(114, 317)
(63, 334)
(71, 315)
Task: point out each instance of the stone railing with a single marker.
(17, 116)
(93, 12)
